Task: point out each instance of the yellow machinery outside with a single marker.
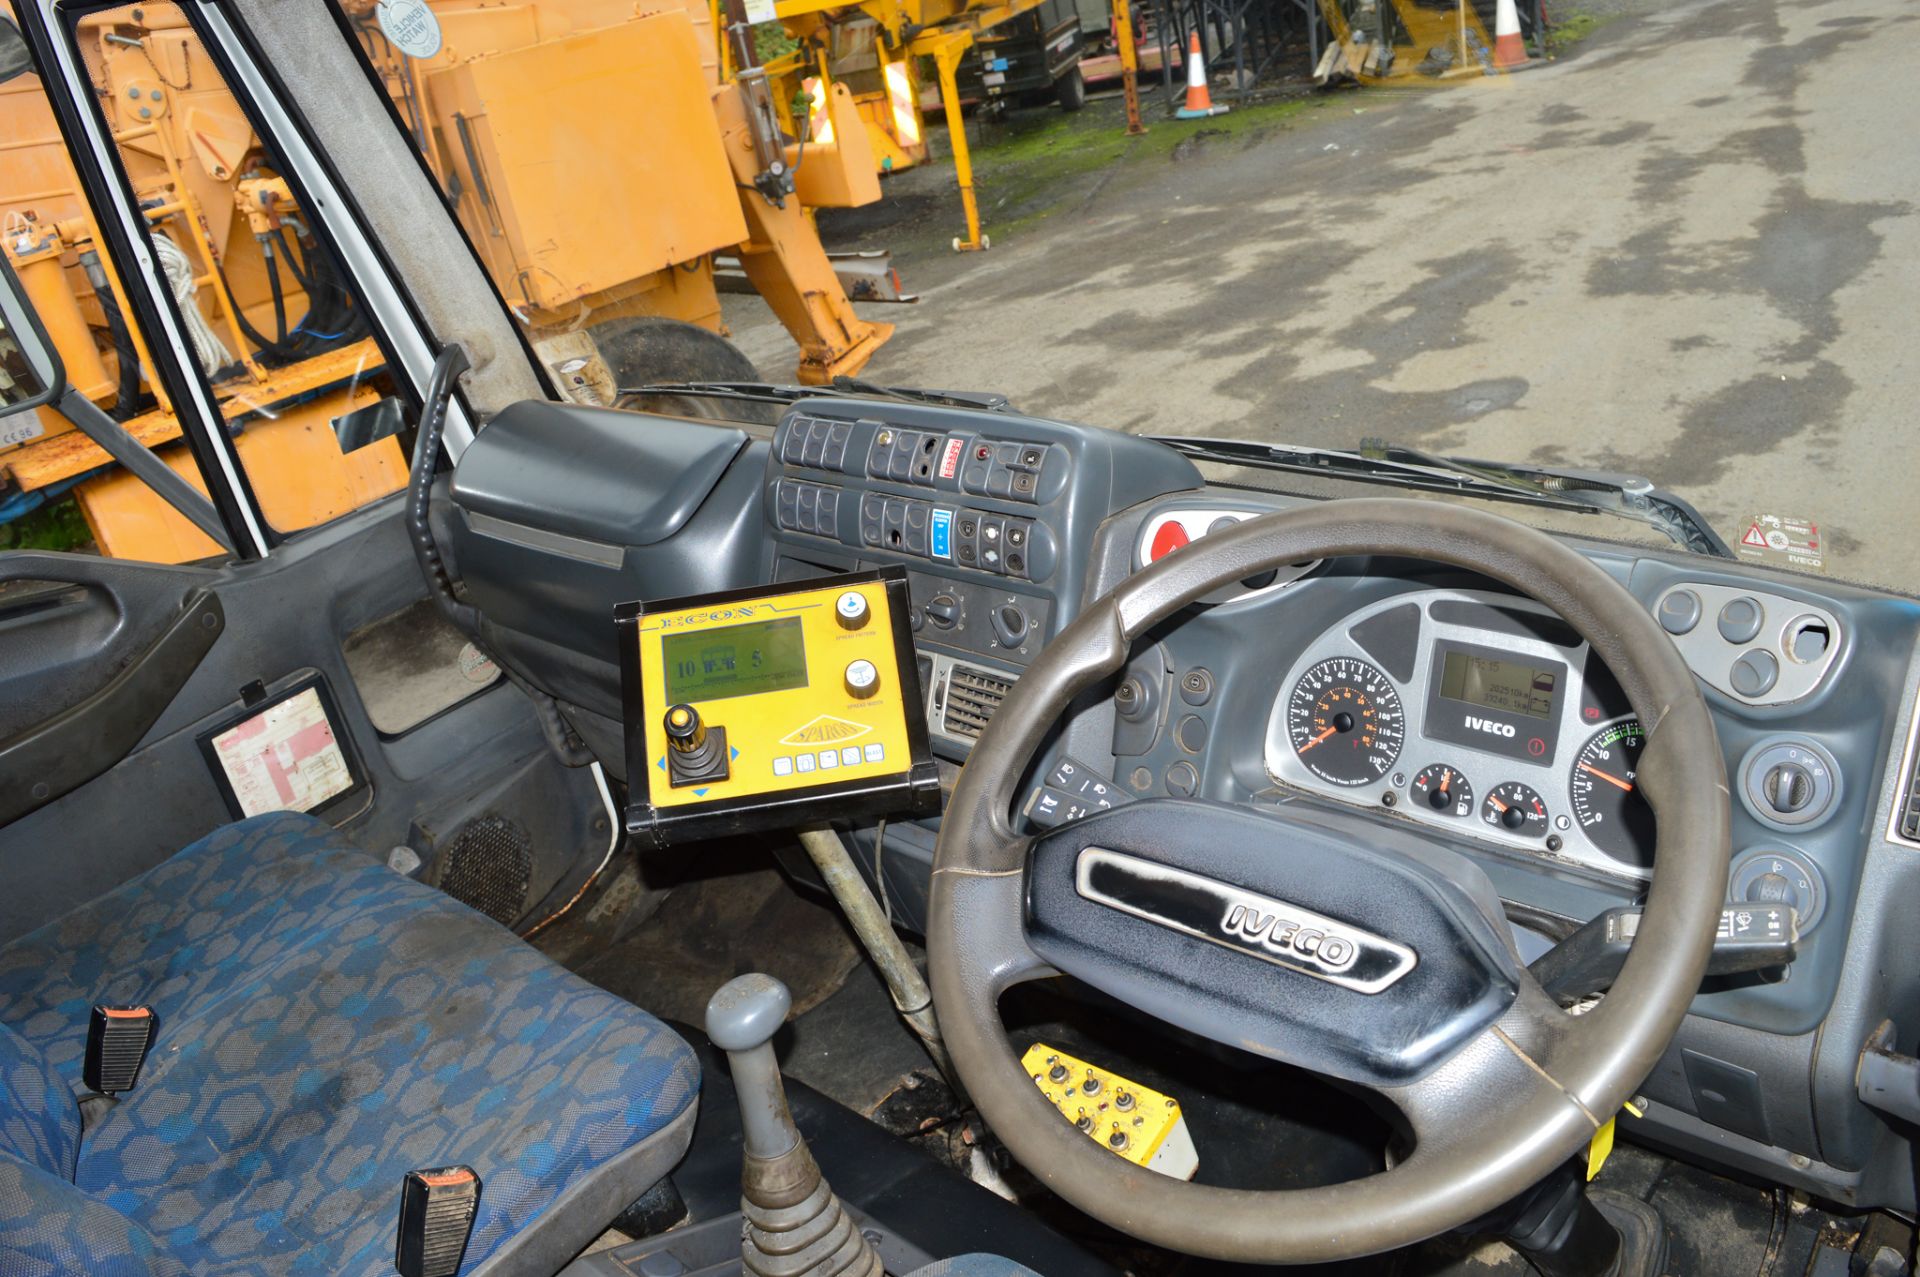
(538, 119)
(876, 48)
(189, 152)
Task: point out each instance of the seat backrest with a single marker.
(39, 1115)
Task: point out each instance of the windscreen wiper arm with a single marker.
(842, 388)
(1581, 491)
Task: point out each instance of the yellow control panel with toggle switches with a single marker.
(772, 707)
(1133, 1121)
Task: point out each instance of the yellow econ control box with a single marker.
(1133, 1121)
(772, 707)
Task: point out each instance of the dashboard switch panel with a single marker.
(1759, 648)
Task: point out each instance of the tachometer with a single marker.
(1344, 721)
(1606, 801)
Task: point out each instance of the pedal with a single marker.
(1129, 1120)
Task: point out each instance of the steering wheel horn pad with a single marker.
(1489, 1118)
(1276, 931)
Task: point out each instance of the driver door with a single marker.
(217, 612)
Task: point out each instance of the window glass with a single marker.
(273, 325)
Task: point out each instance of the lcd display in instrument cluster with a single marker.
(1493, 683)
(734, 660)
(1495, 701)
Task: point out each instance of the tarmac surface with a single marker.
(1688, 250)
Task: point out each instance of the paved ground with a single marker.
(1688, 250)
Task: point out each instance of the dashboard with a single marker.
(1396, 691)
(1409, 693)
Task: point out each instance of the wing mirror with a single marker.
(30, 370)
(31, 375)
(15, 57)
(371, 423)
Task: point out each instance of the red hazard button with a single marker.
(1171, 536)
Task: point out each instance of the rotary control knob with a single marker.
(862, 679)
(1770, 889)
(1010, 625)
(943, 610)
(851, 610)
(1788, 788)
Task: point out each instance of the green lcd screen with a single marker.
(1501, 685)
(735, 660)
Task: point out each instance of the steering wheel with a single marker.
(1349, 947)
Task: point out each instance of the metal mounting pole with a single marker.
(905, 984)
(948, 48)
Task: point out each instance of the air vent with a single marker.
(1905, 825)
(972, 696)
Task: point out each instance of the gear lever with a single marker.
(794, 1226)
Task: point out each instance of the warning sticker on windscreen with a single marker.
(1782, 541)
(284, 758)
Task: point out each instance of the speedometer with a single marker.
(1603, 789)
(1344, 721)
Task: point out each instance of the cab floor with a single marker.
(1255, 1125)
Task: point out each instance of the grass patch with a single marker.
(1573, 27)
(58, 526)
(1031, 165)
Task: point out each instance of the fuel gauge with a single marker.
(1442, 788)
(1516, 808)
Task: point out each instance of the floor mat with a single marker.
(1256, 1125)
(712, 929)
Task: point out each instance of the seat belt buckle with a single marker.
(436, 1217)
(117, 1042)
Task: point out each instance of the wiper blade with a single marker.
(842, 388)
(1377, 461)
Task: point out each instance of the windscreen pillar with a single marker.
(406, 216)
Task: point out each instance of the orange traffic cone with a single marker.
(1200, 102)
(1509, 50)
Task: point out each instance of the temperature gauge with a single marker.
(1442, 788)
(1516, 808)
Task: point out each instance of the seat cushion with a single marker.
(325, 1026)
(180, 935)
(39, 1121)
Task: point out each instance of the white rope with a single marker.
(207, 346)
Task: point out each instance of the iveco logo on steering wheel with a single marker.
(1289, 937)
(1488, 726)
(1260, 926)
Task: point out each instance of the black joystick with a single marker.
(696, 754)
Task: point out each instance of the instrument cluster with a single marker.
(1469, 710)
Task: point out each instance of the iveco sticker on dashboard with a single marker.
(1235, 918)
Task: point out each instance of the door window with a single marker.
(273, 324)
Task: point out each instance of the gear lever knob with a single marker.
(796, 1227)
(742, 1019)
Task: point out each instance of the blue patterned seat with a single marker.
(325, 1026)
